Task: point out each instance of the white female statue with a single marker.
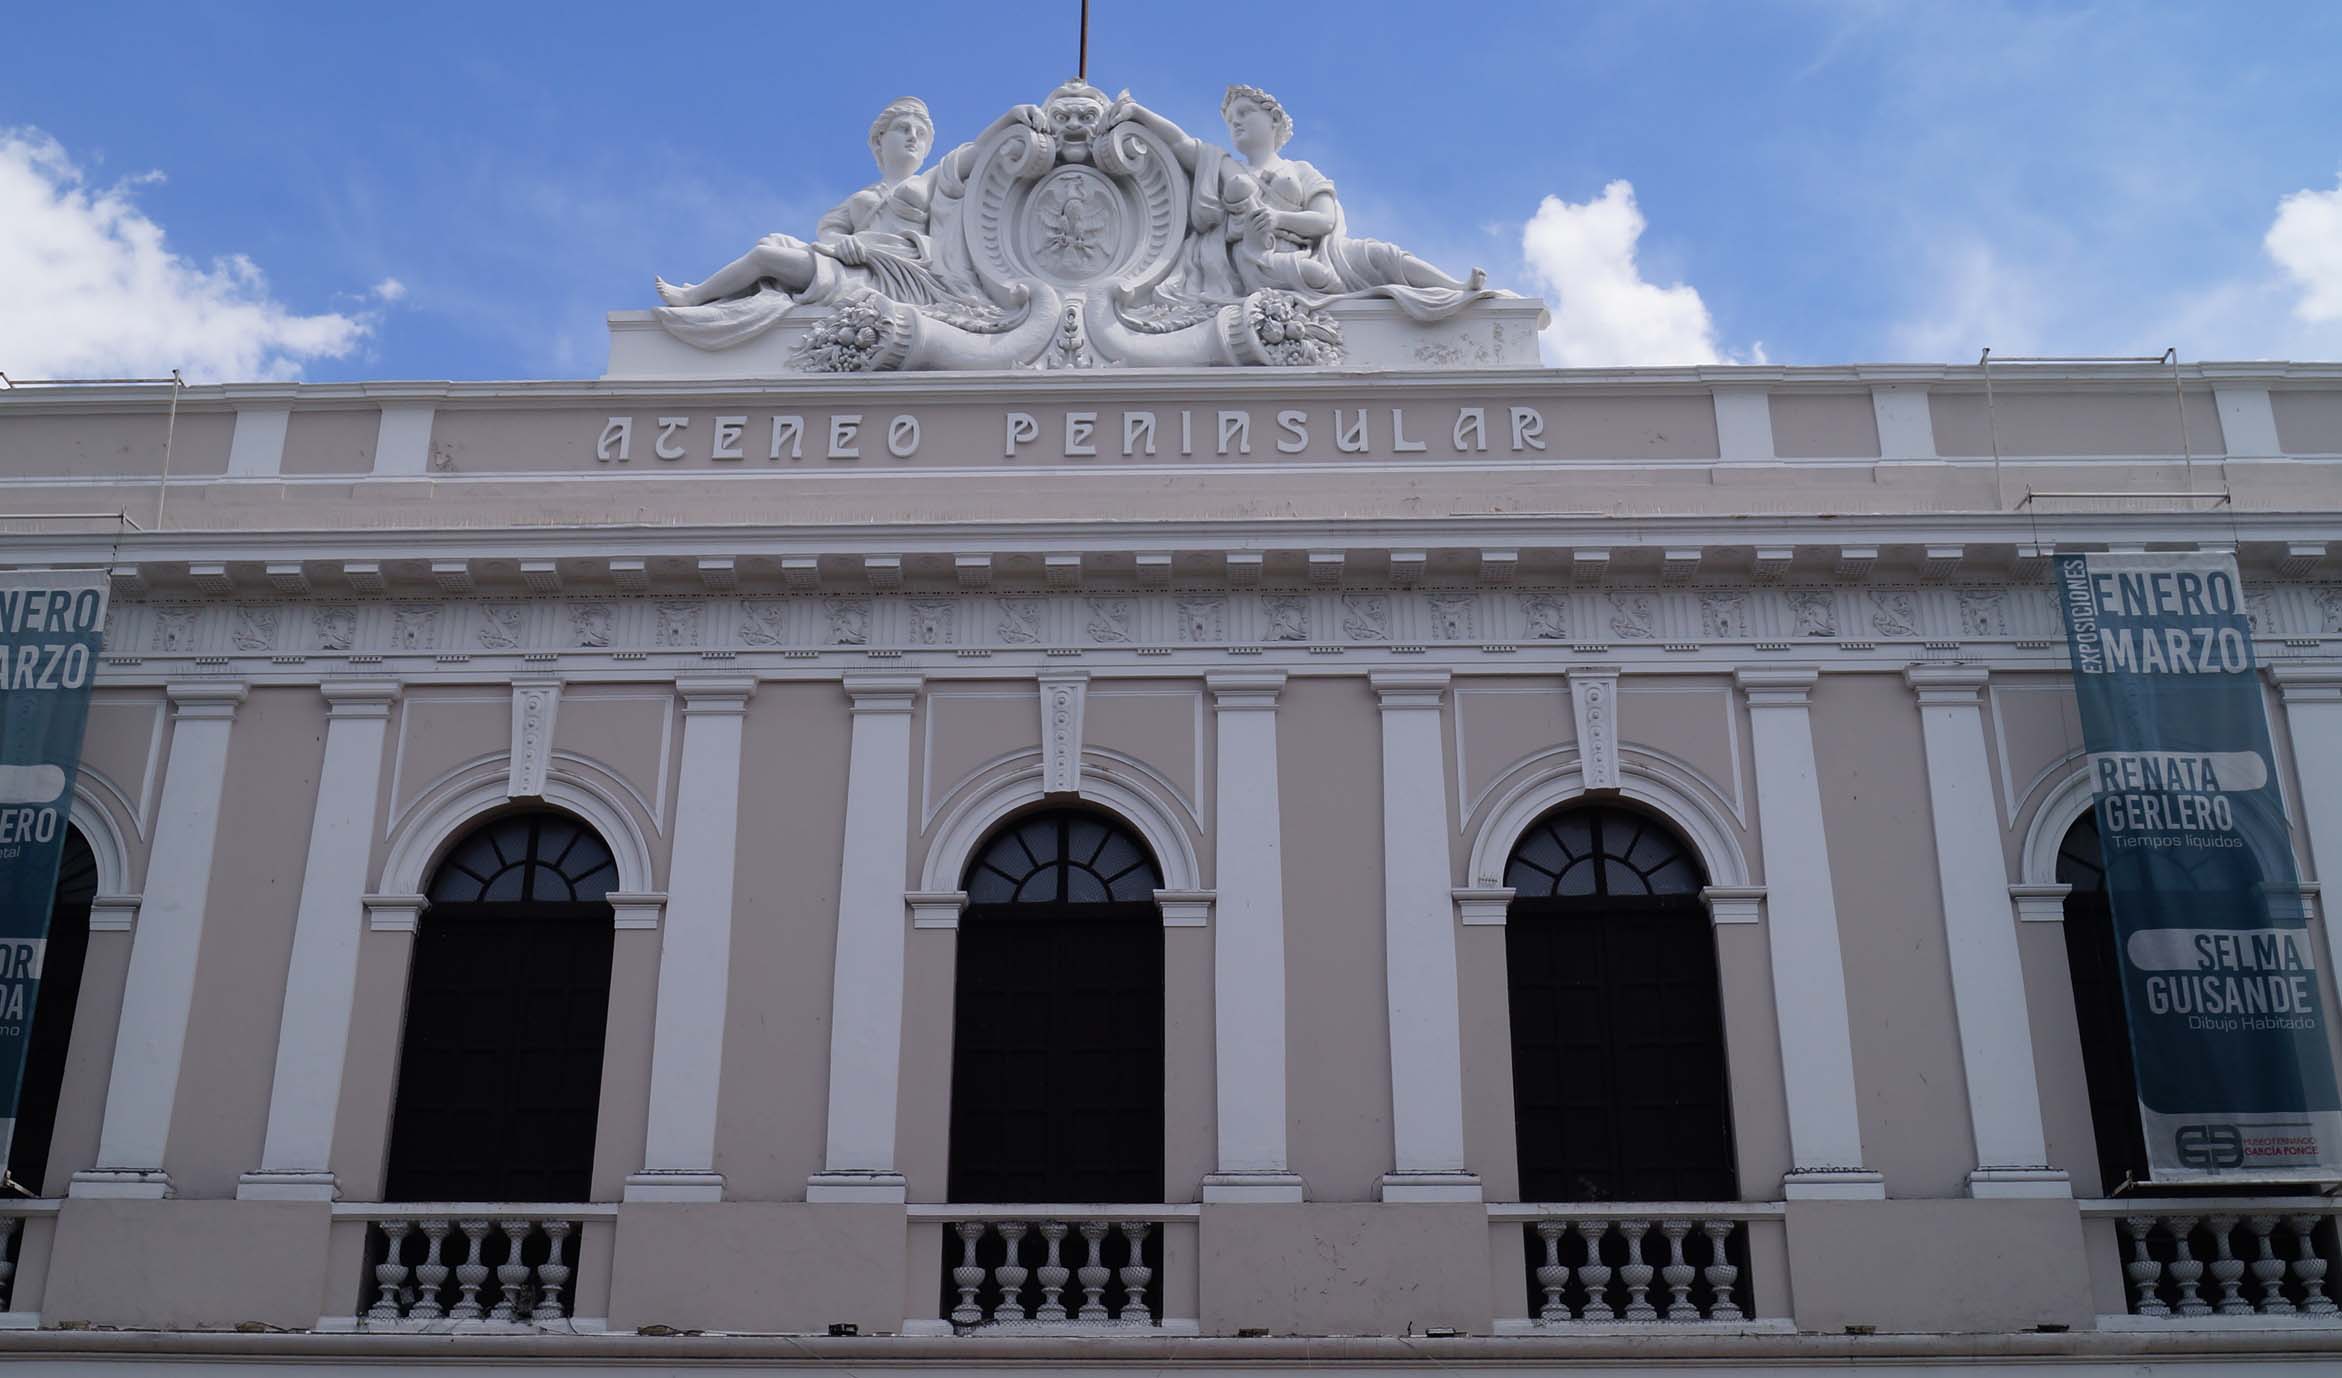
(1277, 223)
(877, 238)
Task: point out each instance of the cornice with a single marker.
(1044, 386)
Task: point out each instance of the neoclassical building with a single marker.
(884, 833)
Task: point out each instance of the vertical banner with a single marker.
(50, 625)
(2219, 980)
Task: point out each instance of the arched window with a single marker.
(1619, 1088)
(53, 1009)
(500, 1070)
(1057, 1051)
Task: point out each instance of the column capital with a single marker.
(1734, 903)
(217, 699)
(359, 698)
(1241, 690)
(2311, 682)
(724, 694)
(1410, 688)
(1777, 686)
(636, 908)
(889, 691)
(1950, 686)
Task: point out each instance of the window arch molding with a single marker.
(450, 808)
(95, 822)
(970, 818)
(1679, 798)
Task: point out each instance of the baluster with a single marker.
(2268, 1269)
(2145, 1273)
(1594, 1274)
(1052, 1274)
(552, 1274)
(2309, 1268)
(8, 1227)
(2227, 1268)
(2186, 1268)
(1012, 1275)
(1722, 1272)
(1135, 1272)
(1636, 1274)
(1678, 1274)
(512, 1275)
(1552, 1276)
(470, 1273)
(390, 1274)
(431, 1276)
(969, 1275)
(1094, 1274)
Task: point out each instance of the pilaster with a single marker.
(1980, 936)
(159, 989)
(695, 949)
(1248, 945)
(866, 1000)
(1419, 938)
(1809, 969)
(313, 1034)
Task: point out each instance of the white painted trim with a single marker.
(1906, 420)
(256, 449)
(1980, 939)
(2066, 802)
(1419, 945)
(95, 822)
(641, 910)
(159, 989)
(1744, 423)
(402, 440)
(936, 909)
(313, 1030)
(966, 820)
(2248, 423)
(1485, 905)
(1186, 908)
(1684, 798)
(451, 806)
(1809, 972)
(2039, 903)
(1064, 694)
(1252, 1155)
(695, 948)
(1734, 903)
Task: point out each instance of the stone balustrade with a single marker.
(1638, 1262)
(1053, 1269)
(2186, 1259)
(465, 1266)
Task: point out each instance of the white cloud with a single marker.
(390, 289)
(1604, 313)
(88, 287)
(2306, 241)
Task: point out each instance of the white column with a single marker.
(2313, 716)
(159, 988)
(1809, 975)
(1248, 946)
(866, 1000)
(1980, 934)
(695, 950)
(314, 1034)
(1419, 946)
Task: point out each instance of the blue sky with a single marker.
(428, 191)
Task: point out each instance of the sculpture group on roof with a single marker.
(1081, 231)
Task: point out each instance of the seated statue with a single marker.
(877, 238)
(1276, 222)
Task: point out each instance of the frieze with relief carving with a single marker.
(1659, 620)
(1081, 232)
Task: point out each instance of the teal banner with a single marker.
(50, 625)
(2220, 981)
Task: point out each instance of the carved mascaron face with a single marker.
(1074, 120)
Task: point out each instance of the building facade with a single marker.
(1200, 865)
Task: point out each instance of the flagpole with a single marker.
(1082, 63)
